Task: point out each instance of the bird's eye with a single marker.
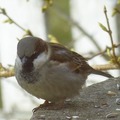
(34, 52)
(34, 55)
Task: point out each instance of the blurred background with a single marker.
(73, 23)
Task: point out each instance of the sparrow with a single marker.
(51, 71)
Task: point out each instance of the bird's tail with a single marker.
(101, 73)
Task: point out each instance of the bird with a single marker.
(51, 71)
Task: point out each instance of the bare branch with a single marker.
(7, 73)
(106, 67)
(10, 20)
(111, 38)
(104, 51)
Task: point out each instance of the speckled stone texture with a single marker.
(96, 102)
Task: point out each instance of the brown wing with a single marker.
(74, 60)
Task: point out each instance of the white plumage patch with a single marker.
(41, 60)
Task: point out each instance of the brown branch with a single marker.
(3, 11)
(104, 51)
(111, 38)
(109, 31)
(106, 67)
(7, 73)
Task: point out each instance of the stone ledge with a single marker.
(96, 102)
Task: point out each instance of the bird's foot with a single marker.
(50, 106)
(44, 105)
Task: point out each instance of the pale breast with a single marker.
(53, 82)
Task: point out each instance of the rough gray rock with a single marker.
(96, 102)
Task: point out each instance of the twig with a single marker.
(104, 51)
(110, 34)
(15, 22)
(3, 11)
(7, 73)
(106, 67)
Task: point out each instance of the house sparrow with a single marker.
(50, 71)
